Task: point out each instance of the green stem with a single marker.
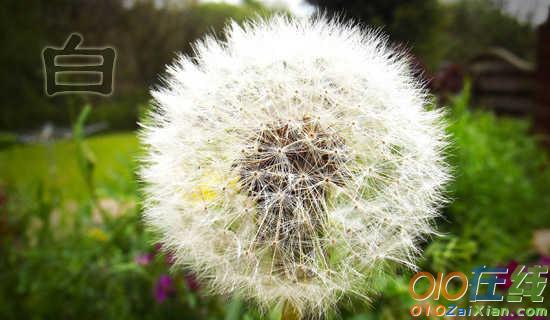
(289, 312)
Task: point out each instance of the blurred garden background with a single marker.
(72, 243)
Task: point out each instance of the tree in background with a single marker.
(147, 35)
(438, 31)
(414, 23)
(476, 25)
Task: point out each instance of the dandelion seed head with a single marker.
(293, 161)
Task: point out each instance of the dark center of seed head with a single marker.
(288, 171)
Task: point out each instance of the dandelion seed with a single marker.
(319, 163)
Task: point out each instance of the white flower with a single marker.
(293, 161)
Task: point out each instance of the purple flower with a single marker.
(144, 259)
(545, 261)
(192, 282)
(512, 265)
(157, 247)
(163, 288)
(169, 258)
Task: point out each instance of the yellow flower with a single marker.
(98, 234)
(212, 185)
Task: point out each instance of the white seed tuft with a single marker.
(293, 161)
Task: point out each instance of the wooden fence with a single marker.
(503, 83)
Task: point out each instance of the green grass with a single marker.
(54, 166)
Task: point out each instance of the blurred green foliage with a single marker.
(54, 166)
(474, 25)
(438, 31)
(66, 253)
(501, 191)
(146, 35)
(72, 244)
(417, 24)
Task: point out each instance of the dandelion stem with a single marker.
(289, 312)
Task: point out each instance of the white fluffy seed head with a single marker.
(293, 161)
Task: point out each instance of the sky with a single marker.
(523, 9)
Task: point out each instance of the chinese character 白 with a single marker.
(53, 68)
